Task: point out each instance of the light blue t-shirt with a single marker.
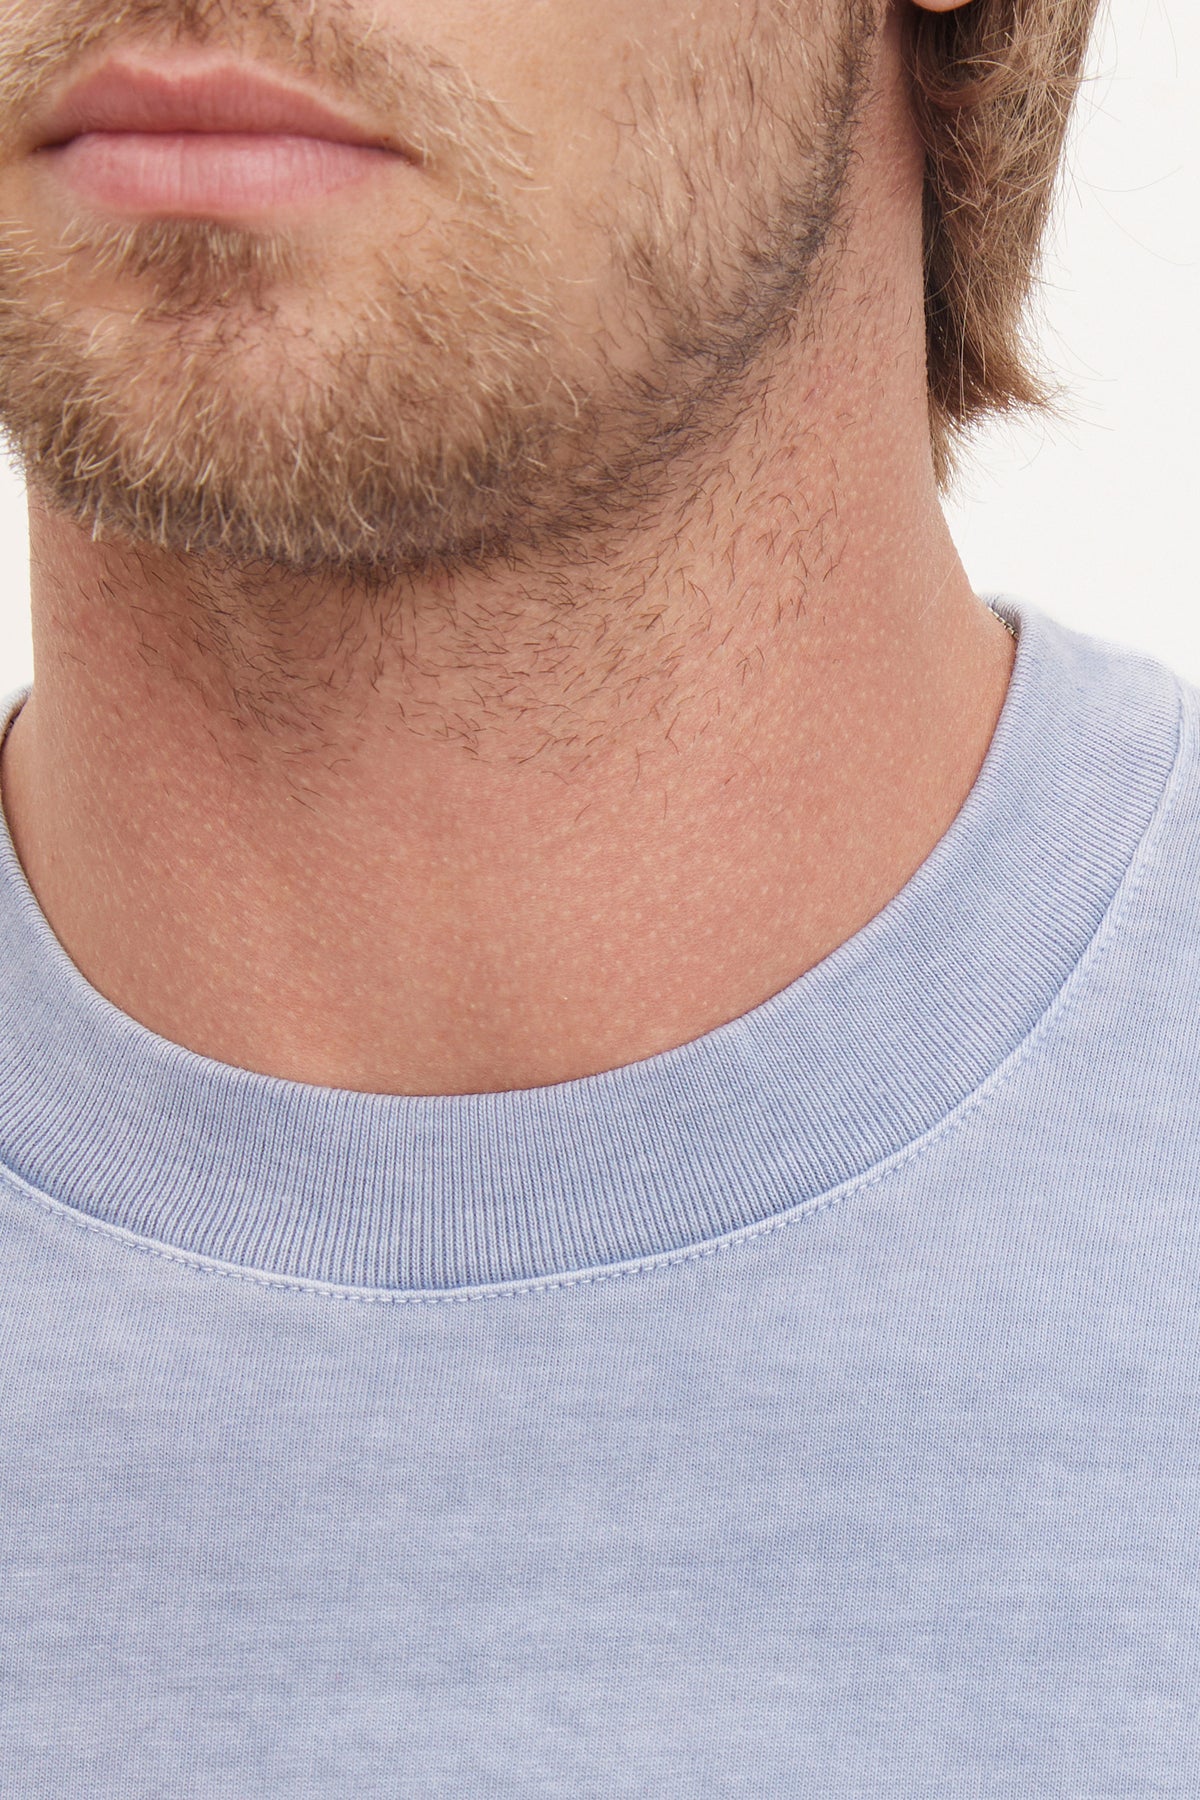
(812, 1410)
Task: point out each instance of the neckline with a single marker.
(860, 1055)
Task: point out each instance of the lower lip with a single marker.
(193, 174)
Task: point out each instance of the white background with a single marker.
(1089, 517)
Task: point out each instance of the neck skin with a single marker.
(519, 845)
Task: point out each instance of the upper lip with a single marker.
(142, 98)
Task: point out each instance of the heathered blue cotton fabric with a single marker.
(812, 1410)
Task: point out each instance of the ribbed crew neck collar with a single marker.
(856, 1058)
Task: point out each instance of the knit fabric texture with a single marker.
(809, 1411)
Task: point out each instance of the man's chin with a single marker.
(259, 468)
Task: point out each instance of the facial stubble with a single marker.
(249, 407)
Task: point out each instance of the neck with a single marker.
(511, 830)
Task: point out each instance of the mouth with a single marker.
(205, 141)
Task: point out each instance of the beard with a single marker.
(436, 406)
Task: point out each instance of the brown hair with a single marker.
(994, 83)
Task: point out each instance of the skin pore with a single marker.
(601, 751)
